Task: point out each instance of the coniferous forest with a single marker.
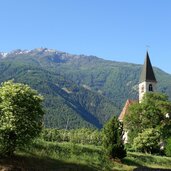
(79, 91)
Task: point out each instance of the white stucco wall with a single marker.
(146, 88)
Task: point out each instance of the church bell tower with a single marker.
(147, 81)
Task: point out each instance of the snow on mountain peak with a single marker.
(3, 54)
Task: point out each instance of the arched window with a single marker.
(150, 87)
(142, 89)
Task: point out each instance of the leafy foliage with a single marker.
(112, 139)
(21, 116)
(150, 113)
(168, 147)
(148, 141)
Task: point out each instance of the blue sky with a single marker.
(117, 30)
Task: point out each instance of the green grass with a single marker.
(48, 156)
(147, 160)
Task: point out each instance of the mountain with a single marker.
(67, 105)
(79, 90)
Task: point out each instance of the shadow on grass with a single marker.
(141, 160)
(150, 169)
(33, 163)
(130, 162)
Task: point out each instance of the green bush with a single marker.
(168, 147)
(21, 116)
(147, 141)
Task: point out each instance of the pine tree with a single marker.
(112, 139)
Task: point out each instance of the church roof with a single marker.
(147, 73)
(125, 109)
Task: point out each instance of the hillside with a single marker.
(79, 91)
(67, 105)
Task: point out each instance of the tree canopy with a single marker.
(150, 113)
(147, 141)
(21, 115)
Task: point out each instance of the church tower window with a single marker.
(150, 87)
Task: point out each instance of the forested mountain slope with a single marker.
(79, 91)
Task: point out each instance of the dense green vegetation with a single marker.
(79, 136)
(79, 91)
(147, 141)
(21, 115)
(168, 147)
(112, 139)
(147, 123)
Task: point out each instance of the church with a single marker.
(147, 83)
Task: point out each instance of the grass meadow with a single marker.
(52, 156)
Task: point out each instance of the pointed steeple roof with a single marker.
(147, 73)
